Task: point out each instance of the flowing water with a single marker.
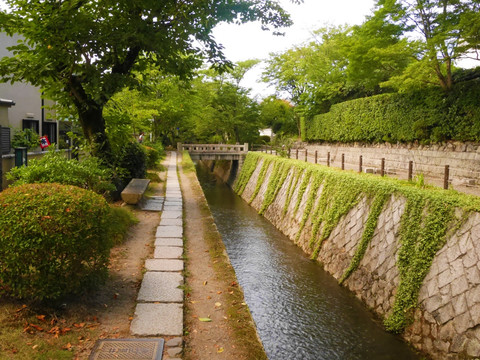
(300, 310)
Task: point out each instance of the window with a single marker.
(50, 129)
(31, 124)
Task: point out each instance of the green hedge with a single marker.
(54, 240)
(429, 214)
(427, 116)
(54, 167)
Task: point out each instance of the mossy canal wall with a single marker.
(410, 254)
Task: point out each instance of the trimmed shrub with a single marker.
(54, 167)
(131, 162)
(53, 241)
(427, 116)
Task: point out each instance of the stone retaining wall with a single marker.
(429, 160)
(447, 320)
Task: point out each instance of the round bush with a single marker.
(52, 240)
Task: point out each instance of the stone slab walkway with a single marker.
(159, 310)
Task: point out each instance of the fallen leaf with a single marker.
(219, 292)
(23, 307)
(205, 282)
(217, 304)
(220, 350)
(205, 319)
(81, 325)
(41, 317)
(36, 327)
(209, 297)
(34, 347)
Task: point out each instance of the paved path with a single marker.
(159, 310)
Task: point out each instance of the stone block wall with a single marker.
(447, 320)
(429, 160)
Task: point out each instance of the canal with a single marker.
(299, 310)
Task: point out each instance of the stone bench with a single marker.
(134, 190)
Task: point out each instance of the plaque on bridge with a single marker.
(128, 349)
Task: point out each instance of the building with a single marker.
(27, 108)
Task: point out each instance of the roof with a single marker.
(6, 102)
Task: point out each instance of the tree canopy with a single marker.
(82, 52)
(402, 46)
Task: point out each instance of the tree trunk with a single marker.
(90, 114)
(91, 119)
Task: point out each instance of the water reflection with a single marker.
(300, 311)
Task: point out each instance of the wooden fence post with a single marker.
(306, 154)
(289, 152)
(360, 164)
(343, 161)
(316, 157)
(446, 176)
(382, 168)
(296, 154)
(410, 170)
(328, 158)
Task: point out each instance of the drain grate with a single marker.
(128, 349)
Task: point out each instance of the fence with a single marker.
(439, 175)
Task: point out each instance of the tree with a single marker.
(82, 52)
(278, 115)
(448, 30)
(224, 112)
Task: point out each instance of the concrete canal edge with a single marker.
(445, 319)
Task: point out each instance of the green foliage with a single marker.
(261, 177)
(428, 215)
(427, 116)
(130, 163)
(120, 219)
(248, 167)
(53, 241)
(25, 138)
(152, 157)
(303, 129)
(277, 178)
(370, 226)
(187, 163)
(54, 167)
(278, 115)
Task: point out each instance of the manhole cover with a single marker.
(128, 349)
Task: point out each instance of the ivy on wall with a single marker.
(428, 216)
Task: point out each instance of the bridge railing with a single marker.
(213, 148)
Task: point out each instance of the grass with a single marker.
(43, 333)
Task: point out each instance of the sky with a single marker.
(248, 41)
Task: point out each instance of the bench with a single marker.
(134, 190)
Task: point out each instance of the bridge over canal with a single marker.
(216, 151)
